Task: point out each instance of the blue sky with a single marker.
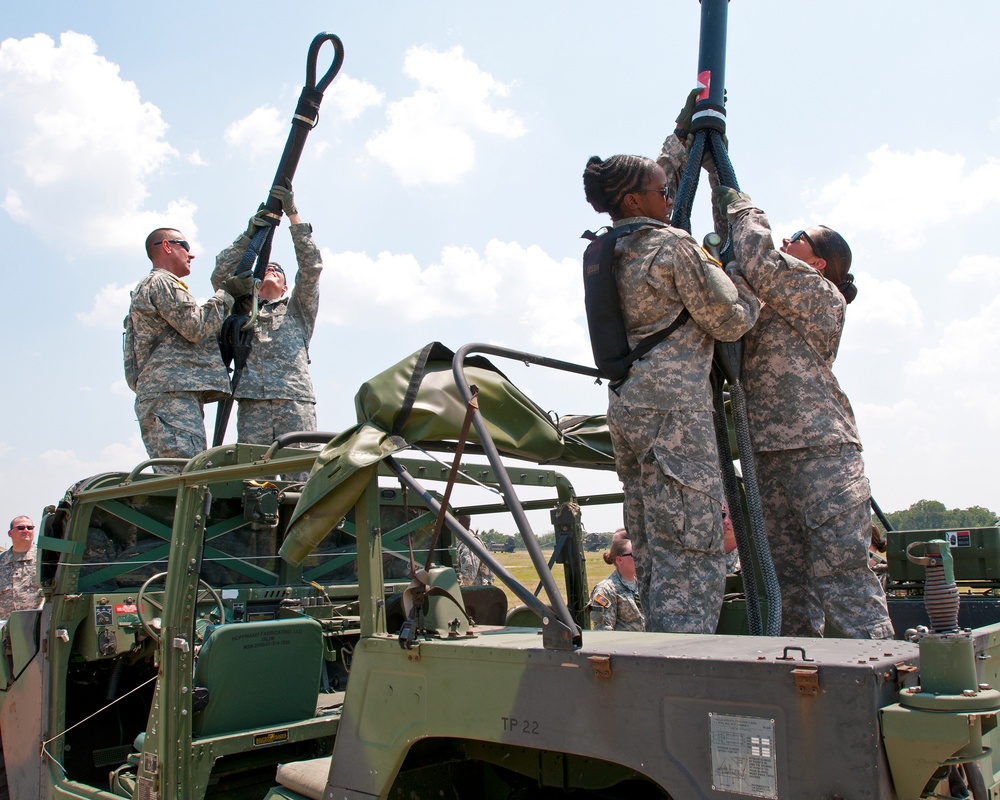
(443, 182)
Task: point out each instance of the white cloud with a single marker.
(507, 283)
(961, 365)
(261, 132)
(196, 159)
(977, 269)
(110, 307)
(885, 303)
(429, 137)
(116, 457)
(892, 197)
(349, 97)
(79, 143)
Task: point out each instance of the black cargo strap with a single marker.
(647, 344)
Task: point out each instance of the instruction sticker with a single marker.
(743, 757)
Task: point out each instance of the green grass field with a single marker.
(521, 567)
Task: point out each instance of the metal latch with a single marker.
(806, 680)
(601, 666)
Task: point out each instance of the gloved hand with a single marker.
(239, 285)
(284, 195)
(684, 118)
(723, 197)
(262, 219)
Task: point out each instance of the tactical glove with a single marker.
(684, 118)
(239, 285)
(262, 219)
(723, 197)
(284, 195)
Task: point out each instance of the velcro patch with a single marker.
(601, 600)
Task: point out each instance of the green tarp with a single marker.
(417, 401)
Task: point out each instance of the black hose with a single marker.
(684, 197)
(735, 504)
(737, 402)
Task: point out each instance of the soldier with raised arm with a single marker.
(172, 358)
(275, 392)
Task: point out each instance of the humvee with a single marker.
(228, 631)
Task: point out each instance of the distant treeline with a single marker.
(932, 514)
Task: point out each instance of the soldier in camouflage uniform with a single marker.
(806, 444)
(660, 417)
(176, 349)
(275, 391)
(614, 602)
(470, 567)
(18, 577)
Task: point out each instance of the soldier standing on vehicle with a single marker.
(470, 567)
(275, 391)
(806, 445)
(660, 417)
(18, 577)
(614, 603)
(172, 358)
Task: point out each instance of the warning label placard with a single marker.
(743, 755)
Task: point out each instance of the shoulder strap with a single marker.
(654, 339)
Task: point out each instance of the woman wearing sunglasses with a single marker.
(614, 603)
(660, 415)
(806, 446)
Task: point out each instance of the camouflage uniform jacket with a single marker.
(278, 366)
(18, 582)
(615, 606)
(661, 271)
(186, 358)
(471, 569)
(793, 398)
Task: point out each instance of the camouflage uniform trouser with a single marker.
(676, 529)
(262, 421)
(172, 425)
(819, 524)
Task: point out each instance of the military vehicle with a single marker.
(223, 632)
(505, 545)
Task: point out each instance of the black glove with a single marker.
(239, 285)
(723, 197)
(284, 195)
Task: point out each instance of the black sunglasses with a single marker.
(803, 235)
(182, 242)
(23, 528)
(664, 191)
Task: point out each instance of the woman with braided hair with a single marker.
(660, 415)
(805, 439)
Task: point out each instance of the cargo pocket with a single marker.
(847, 498)
(687, 512)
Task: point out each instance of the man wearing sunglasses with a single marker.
(18, 578)
(275, 391)
(174, 349)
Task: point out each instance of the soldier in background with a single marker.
(470, 567)
(614, 602)
(18, 577)
(172, 358)
(275, 392)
